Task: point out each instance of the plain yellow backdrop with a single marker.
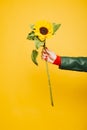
(24, 93)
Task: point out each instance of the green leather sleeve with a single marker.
(74, 63)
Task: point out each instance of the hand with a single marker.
(50, 56)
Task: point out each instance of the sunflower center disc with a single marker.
(43, 30)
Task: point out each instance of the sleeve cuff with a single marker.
(57, 61)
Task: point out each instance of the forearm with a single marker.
(74, 63)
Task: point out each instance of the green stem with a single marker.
(49, 82)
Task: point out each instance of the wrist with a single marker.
(57, 60)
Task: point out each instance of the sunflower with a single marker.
(43, 30)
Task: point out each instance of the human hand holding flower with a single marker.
(50, 56)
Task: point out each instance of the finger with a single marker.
(43, 51)
(48, 52)
(45, 58)
(44, 54)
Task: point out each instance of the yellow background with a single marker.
(24, 93)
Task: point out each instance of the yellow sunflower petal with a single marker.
(43, 29)
(42, 38)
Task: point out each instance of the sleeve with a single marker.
(74, 63)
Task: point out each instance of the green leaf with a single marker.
(34, 56)
(32, 26)
(31, 36)
(38, 43)
(55, 27)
